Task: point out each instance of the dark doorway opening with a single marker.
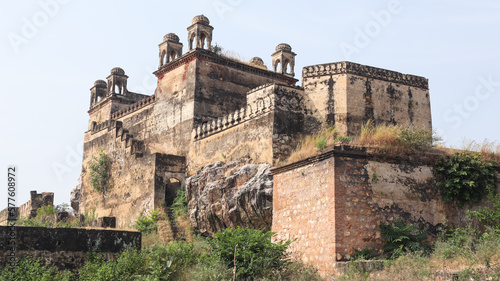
(171, 190)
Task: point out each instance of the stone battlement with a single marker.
(346, 67)
(134, 107)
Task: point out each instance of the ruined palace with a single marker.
(208, 107)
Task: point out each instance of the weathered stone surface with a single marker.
(76, 194)
(230, 195)
(66, 248)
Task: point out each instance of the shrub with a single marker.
(402, 238)
(130, 265)
(488, 216)
(321, 144)
(455, 243)
(464, 177)
(179, 207)
(31, 269)
(415, 138)
(99, 172)
(364, 254)
(252, 250)
(147, 224)
(44, 217)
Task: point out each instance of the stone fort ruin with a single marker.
(207, 107)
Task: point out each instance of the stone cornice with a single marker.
(346, 67)
(211, 56)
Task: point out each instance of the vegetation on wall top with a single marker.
(465, 177)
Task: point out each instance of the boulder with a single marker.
(223, 195)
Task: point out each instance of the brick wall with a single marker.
(304, 209)
(334, 203)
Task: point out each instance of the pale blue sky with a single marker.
(52, 52)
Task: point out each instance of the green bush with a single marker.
(44, 217)
(321, 143)
(464, 177)
(31, 269)
(402, 238)
(343, 139)
(364, 254)
(130, 265)
(255, 253)
(455, 243)
(179, 207)
(147, 224)
(489, 217)
(99, 172)
(415, 138)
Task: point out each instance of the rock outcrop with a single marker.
(235, 194)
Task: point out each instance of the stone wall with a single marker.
(137, 176)
(29, 209)
(304, 209)
(66, 248)
(347, 95)
(266, 129)
(334, 203)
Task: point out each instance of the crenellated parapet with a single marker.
(346, 67)
(134, 107)
(108, 124)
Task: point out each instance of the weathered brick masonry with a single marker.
(334, 203)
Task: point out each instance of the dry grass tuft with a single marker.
(382, 136)
(489, 150)
(388, 140)
(307, 146)
(236, 57)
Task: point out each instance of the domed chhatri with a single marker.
(118, 70)
(100, 83)
(172, 37)
(283, 47)
(257, 61)
(201, 19)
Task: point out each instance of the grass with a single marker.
(489, 150)
(234, 56)
(474, 255)
(389, 140)
(311, 145)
